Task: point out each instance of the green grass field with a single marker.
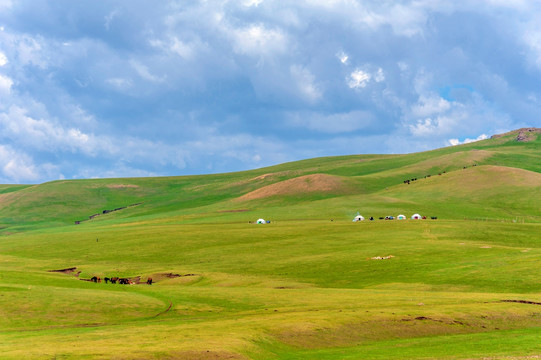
(306, 286)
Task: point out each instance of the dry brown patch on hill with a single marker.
(313, 183)
(121, 186)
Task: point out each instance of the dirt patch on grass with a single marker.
(522, 135)
(68, 271)
(122, 186)
(522, 302)
(314, 183)
(164, 276)
(233, 211)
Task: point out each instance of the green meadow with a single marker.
(311, 284)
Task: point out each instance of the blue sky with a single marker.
(137, 88)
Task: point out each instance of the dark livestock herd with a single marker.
(119, 280)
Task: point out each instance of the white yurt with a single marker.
(401, 217)
(261, 221)
(416, 217)
(358, 218)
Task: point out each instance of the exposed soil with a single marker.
(165, 311)
(68, 271)
(300, 185)
(522, 302)
(233, 211)
(122, 186)
(522, 135)
(106, 211)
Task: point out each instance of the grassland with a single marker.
(305, 286)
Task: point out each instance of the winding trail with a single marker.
(165, 311)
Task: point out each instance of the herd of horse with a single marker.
(119, 280)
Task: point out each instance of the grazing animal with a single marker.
(149, 281)
(114, 280)
(106, 279)
(94, 279)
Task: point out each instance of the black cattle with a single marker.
(94, 279)
(114, 280)
(106, 279)
(149, 281)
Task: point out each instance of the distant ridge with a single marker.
(523, 135)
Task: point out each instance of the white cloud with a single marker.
(258, 40)
(429, 105)
(305, 83)
(5, 85)
(343, 57)
(3, 59)
(144, 72)
(250, 3)
(42, 134)
(455, 142)
(358, 79)
(379, 76)
(17, 166)
(31, 52)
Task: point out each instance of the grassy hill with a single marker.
(310, 285)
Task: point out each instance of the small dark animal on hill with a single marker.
(94, 279)
(149, 281)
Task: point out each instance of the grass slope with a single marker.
(303, 287)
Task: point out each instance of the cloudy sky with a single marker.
(141, 88)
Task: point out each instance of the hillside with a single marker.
(374, 180)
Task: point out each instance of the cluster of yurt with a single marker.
(399, 217)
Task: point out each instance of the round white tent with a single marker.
(358, 218)
(261, 221)
(416, 216)
(401, 217)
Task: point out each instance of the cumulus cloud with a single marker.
(5, 85)
(455, 142)
(19, 167)
(3, 59)
(171, 88)
(358, 79)
(361, 78)
(343, 57)
(258, 40)
(41, 134)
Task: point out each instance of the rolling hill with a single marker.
(310, 285)
(505, 169)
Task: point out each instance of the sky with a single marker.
(130, 88)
